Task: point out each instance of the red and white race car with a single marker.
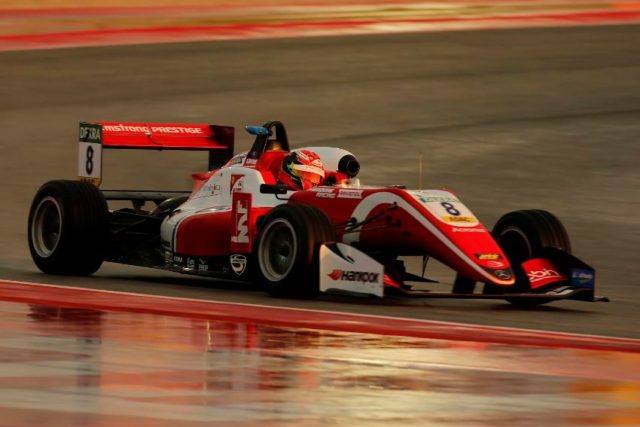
(240, 223)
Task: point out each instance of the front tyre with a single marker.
(68, 228)
(288, 247)
(523, 235)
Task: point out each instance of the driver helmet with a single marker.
(301, 170)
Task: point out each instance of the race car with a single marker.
(242, 221)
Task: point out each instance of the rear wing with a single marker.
(94, 137)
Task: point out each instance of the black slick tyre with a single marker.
(523, 235)
(68, 228)
(287, 250)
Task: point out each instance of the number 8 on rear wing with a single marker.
(94, 137)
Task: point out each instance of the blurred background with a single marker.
(512, 105)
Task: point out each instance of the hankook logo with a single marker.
(354, 276)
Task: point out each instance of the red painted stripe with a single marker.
(256, 6)
(289, 29)
(176, 8)
(298, 318)
(125, 11)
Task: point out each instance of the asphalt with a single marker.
(509, 119)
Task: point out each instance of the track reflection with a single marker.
(83, 367)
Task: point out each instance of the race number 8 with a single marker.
(451, 210)
(88, 166)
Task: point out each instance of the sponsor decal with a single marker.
(446, 207)
(582, 278)
(541, 272)
(238, 263)
(241, 234)
(90, 133)
(495, 264)
(546, 273)
(186, 262)
(349, 194)
(236, 183)
(92, 181)
(488, 256)
(467, 219)
(213, 189)
(326, 195)
(216, 189)
(466, 230)
(90, 153)
(344, 268)
(183, 130)
(241, 226)
(438, 199)
(503, 274)
(321, 189)
(354, 276)
(250, 162)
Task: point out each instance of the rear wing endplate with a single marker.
(94, 137)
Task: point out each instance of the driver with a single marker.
(301, 170)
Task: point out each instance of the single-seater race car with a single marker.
(240, 222)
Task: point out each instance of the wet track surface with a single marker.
(511, 119)
(85, 367)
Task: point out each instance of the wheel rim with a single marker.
(46, 227)
(278, 249)
(516, 245)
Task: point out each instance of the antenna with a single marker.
(420, 171)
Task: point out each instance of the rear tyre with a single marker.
(68, 228)
(523, 235)
(288, 247)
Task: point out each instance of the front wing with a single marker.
(347, 270)
(561, 291)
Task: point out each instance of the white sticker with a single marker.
(446, 207)
(349, 194)
(343, 268)
(90, 162)
(324, 195)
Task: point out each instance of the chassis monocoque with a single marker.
(238, 223)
